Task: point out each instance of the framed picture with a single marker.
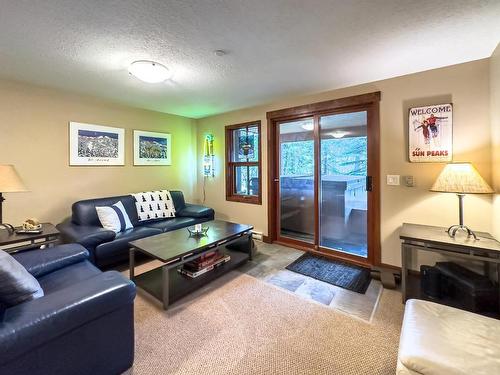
(430, 133)
(96, 145)
(152, 148)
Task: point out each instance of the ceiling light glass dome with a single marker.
(149, 71)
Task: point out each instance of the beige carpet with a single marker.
(241, 325)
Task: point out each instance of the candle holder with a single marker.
(194, 232)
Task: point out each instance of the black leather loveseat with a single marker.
(107, 247)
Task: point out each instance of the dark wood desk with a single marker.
(13, 242)
(436, 240)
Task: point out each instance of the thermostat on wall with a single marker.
(409, 181)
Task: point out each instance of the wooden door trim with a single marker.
(317, 176)
(315, 108)
(369, 101)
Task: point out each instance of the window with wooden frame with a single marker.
(243, 163)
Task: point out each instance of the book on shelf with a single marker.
(209, 255)
(219, 262)
(202, 262)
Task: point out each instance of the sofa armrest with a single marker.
(86, 235)
(33, 323)
(197, 211)
(42, 262)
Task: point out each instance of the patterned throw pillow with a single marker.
(114, 217)
(16, 283)
(153, 205)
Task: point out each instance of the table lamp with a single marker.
(10, 182)
(461, 179)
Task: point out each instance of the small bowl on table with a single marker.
(198, 230)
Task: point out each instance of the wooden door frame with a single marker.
(368, 102)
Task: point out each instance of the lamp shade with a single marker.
(461, 178)
(10, 182)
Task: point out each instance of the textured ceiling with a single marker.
(276, 48)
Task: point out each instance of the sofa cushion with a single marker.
(120, 244)
(172, 224)
(114, 217)
(84, 212)
(438, 339)
(16, 283)
(67, 277)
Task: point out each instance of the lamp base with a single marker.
(455, 228)
(1, 202)
(9, 228)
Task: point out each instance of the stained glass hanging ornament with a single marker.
(246, 145)
(208, 158)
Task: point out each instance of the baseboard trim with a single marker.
(389, 266)
(266, 239)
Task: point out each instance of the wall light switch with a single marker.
(393, 179)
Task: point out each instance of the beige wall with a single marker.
(34, 137)
(495, 135)
(466, 85)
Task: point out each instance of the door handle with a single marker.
(276, 180)
(369, 183)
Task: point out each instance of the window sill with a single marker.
(252, 199)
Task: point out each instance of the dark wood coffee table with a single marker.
(177, 247)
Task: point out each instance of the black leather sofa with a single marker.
(84, 323)
(107, 247)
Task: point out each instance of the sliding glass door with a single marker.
(296, 177)
(324, 182)
(343, 201)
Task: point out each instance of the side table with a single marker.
(13, 242)
(435, 239)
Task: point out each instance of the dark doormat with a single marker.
(342, 274)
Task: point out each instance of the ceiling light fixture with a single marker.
(307, 126)
(149, 71)
(339, 134)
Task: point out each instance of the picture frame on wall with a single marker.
(152, 148)
(430, 133)
(96, 145)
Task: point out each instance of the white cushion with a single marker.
(114, 217)
(153, 205)
(438, 339)
(403, 370)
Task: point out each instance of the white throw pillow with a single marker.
(153, 205)
(114, 217)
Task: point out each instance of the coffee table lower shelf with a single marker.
(180, 285)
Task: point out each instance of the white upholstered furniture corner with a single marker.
(438, 339)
